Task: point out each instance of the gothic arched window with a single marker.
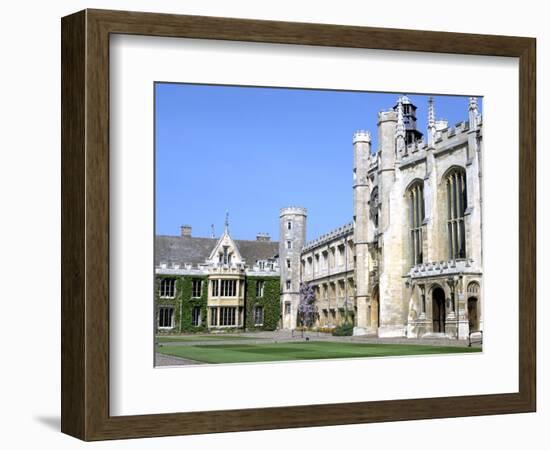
(456, 207)
(374, 206)
(416, 218)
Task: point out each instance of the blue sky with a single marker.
(252, 150)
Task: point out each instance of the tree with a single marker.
(306, 307)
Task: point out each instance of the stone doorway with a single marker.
(438, 310)
(473, 314)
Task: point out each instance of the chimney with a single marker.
(263, 237)
(185, 230)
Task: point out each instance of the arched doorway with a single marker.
(473, 306)
(473, 314)
(438, 310)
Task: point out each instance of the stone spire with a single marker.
(473, 113)
(400, 130)
(431, 122)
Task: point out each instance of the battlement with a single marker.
(170, 268)
(361, 136)
(444, 138)
(418, 146)
(438, 268)
(441, 124)
(330, 236)
(299, 210)
(387, 116)
(447, 133)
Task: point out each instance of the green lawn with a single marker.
(204, 337)
(237, 353)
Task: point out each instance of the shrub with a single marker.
(343, 330)
(324, 329)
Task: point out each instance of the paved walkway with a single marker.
(168, 361)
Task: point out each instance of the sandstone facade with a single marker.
(410, 262)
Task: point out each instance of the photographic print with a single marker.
(305, 224)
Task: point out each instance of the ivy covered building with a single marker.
(215, 284)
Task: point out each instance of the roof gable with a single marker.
(225, 246)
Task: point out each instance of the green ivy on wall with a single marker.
(270, 301)
(187, 303)
(183, 303)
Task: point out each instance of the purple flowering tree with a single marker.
(306, 307)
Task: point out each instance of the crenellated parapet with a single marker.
(446, 268)
(361, 136)
(446, 133)
(387, 116)
(298, 210)
(332, 235)
(444, 139)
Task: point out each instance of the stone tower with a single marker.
(392, 147)
(292, 237)
(387, 130)
(361, 195)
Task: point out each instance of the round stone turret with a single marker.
(292, 238)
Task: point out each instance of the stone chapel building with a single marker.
(409, 264)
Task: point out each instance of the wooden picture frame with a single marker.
(85, 224)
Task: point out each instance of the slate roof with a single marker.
(195, 250)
